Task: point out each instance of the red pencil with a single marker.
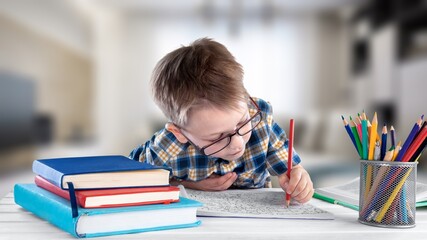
(415, 144)
(290, 147)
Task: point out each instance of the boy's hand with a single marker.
(213, 183)
(300, 186)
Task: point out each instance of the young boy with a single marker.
(218, 136)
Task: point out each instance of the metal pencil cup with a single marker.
(387, 193)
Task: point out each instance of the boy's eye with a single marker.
(242, 122)
(216, 138)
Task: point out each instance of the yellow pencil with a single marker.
(369, 131)
(382, 172)
(393, 195)
(373, 137)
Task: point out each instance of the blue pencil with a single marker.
(409, 139)
(383, 142)
(403, 208)
(347, 128)
(393, 136)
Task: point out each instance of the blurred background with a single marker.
(74, 74)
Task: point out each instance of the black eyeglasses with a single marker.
(223, 142)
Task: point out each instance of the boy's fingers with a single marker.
(284, 181)
(293, 182)
(226, 181)
(307, 197)
(304, 190)
(300, 188)
(223, 182)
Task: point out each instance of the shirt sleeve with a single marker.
(160, 150)
(150, 154)
(135, 153)
(277, 153)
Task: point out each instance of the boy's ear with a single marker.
(176, 132)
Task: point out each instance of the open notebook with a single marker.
(347, 194)
(252, 203)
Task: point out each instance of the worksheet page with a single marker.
(252, 203)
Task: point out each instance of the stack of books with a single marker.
(105, 195)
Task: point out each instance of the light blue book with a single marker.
(106, 221)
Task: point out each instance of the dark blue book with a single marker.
(97, 222)
(97, 172)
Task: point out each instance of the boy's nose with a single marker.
(236, 142)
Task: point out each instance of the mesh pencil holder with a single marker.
(387, 193)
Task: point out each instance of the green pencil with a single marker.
(356, 137)
(365, 139)
(330, 200)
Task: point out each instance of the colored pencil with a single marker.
(334, 201)
(369, 131)
(396, 150)
(369, 128)
(356, 137)
(420, 149)
(391, 177)
(365, 139)
(290, 147)
(409, 139)
(415, 145)
(383, 142)
(350, 134)
(359, 128)
(364, 115)
(373, 137)
(393, 195)
(417, 153)
(377, 152)
(393, 136)
(365, 156)
(382, 172)
(402, 201)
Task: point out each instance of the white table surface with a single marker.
(17, 223)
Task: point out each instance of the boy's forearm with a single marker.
(186, 184)
(175, 182)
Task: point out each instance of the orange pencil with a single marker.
(290, 147)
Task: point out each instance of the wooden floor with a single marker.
(16, 223)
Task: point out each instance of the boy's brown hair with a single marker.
(202, 74)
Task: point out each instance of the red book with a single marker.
(115, 197)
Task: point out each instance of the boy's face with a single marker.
(206, 125)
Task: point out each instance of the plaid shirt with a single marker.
(266, 153)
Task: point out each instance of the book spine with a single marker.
(48, 173)
(44, 205)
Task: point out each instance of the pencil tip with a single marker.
(351, 119)
(342, 117)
